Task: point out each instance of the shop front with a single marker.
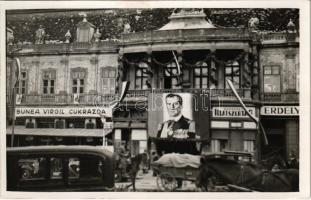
(232, 130)
(59, 125)
(281, 124)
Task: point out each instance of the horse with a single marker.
(133, 167)
(247, 175)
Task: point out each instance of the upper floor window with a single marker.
(78, 81)
(49, 78)
(108, 80)
(201, 79)
(21, 85)
(272, 79)
(141, 76)
(232, 72)
(171, 76)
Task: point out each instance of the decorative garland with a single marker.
(209, 56)
(162, 64)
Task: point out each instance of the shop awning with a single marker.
(21, 130)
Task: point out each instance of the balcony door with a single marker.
(171, 76)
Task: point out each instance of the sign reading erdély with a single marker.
(62, 112)
(232, 112)
(280, 110)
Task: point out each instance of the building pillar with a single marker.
(121, 71)
(246, 75)
(180, 77)
(256, 76)
(214, 74)
(94, 63)
(292, 136)
(37, 88)
(64, 61)
(150, 71)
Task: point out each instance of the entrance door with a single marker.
(275, 130)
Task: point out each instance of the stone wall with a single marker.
(63, 64)
(287, 58)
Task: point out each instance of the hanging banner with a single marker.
(178, 115)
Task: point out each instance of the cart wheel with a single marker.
(166, 182)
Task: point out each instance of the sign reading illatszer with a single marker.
(232, 112)
(62, 112)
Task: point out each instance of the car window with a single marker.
(85, 169)
(32, 168)
(74, 168)
(56, 170)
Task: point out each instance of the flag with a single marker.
(178, 66)
(19, 99)
(108, 126)
(17, 70)
(124, 89)
(76, 98)
(254, 118)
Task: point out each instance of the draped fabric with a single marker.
(179, 160)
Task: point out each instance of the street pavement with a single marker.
(148, 183)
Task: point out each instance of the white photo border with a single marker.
(304, 137)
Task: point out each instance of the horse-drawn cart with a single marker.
(168, 177)
(184, 158)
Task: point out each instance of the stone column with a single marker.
(290, 70)
(94, 65)
(246, 75)
(292, 136)
(151, 70)
(121, 71)
(214, 72)
(256, 76)
(64, 62)
(36, 88)
(180, 60)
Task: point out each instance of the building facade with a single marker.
(63, 88)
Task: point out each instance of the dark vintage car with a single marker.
(60, 168)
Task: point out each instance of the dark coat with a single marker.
(178, 145)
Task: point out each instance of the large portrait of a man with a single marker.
(177, 125)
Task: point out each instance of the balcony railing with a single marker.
(64, 47)
(214, 93)
(281, 97)
(131, 96)
(186, 34)
(276, 37)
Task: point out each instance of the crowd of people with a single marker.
(111, 22)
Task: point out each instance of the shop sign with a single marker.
(280, 110)
(62, 112)
(232, 112)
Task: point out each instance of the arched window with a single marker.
(141, 76)
(49, 78)
(78, 77)
(21, 84)
(201, 75)
(171, 76)
(108, 77)
(232, 72)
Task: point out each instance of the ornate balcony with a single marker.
(185, 35)
(224, 94)
(133, 96)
